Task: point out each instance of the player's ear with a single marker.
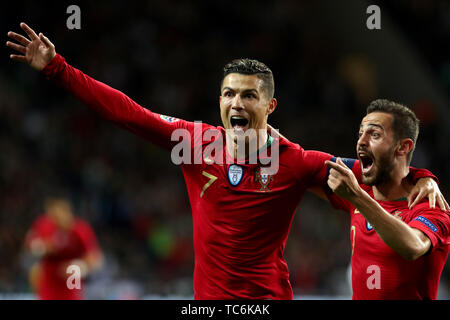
(272, 106)
(404, 146)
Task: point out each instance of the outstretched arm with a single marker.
(38, 52)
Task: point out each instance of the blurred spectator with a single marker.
(60, 241)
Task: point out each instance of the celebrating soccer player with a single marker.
(397, 252)
(242, 210)
(67, 249)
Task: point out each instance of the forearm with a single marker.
(395, 233)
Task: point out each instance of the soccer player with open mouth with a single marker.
(241, 214)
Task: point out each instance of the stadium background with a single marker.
(168, 56)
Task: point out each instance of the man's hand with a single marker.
(342, 180)
(427, 187)
(36, 51)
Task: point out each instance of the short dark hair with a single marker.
(252, 67)
(405, 123)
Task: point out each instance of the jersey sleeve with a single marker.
(314, 162)
(313, 165)
(434, 223)
(114, 105)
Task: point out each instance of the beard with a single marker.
(384, 166)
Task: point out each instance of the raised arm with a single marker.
(38, 52)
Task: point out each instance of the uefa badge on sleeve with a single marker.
(169, 119)
(235, 174)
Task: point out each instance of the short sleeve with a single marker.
(435, 224)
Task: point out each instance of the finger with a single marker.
(432, 200)
(19, 38)
(339, 161)
(441, 203)
(16, 47)
(419, 197)
(30, 32)
(411, 197)
(331, 183)
(19, 58)
(46, 41)
(334, 174)
(336, 166)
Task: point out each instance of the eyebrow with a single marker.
(373, 125)
(243, 91)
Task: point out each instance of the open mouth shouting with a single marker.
(367, 162)
(239, 123)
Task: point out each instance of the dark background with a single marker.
(168, 56)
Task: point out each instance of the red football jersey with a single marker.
(68, 245)
(379, 272)
(241, 216)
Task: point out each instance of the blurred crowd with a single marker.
(168, 56)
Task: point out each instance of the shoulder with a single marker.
(431, 216)
(424, 207)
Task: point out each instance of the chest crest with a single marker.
(264, 179)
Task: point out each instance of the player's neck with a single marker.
(233, 147)
(396, 187)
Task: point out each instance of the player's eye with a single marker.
(227, 94)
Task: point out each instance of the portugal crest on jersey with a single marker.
(264, 179)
